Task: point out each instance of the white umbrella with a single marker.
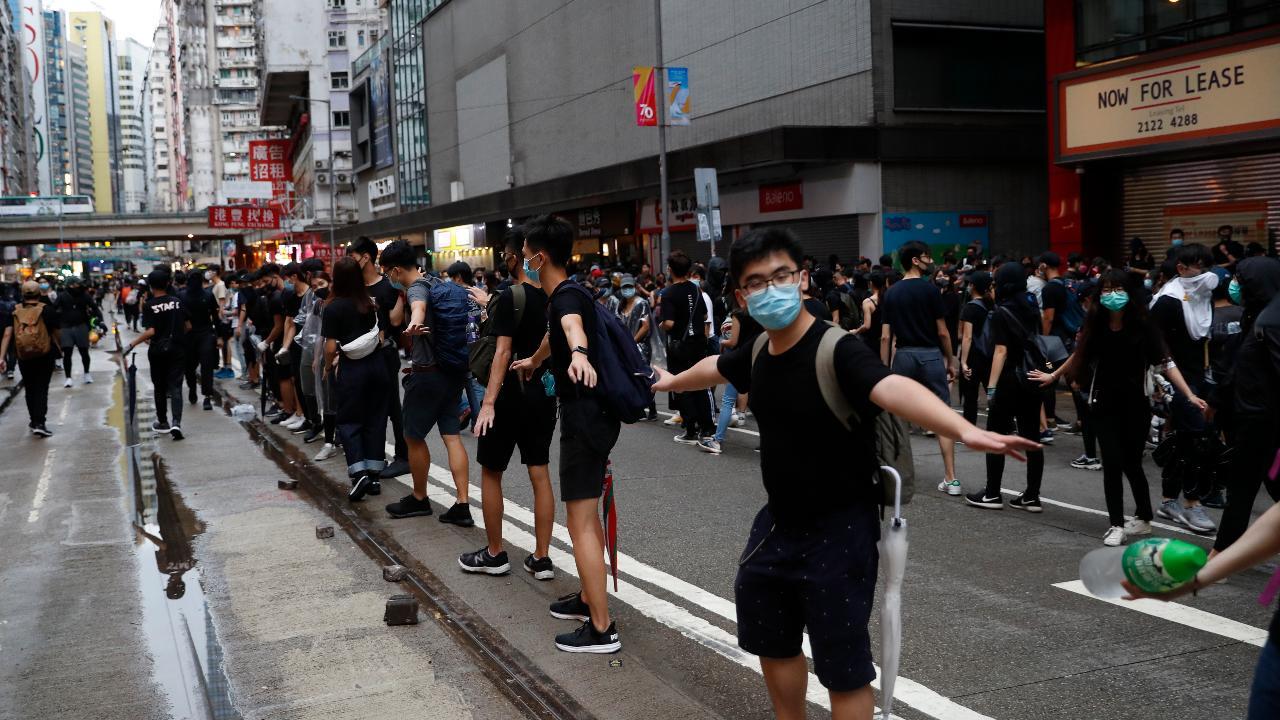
(893, 562)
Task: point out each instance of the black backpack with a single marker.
(981, 348)
(850, 311)
(480, 359)
(624, 379)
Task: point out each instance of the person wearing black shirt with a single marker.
(200, 351)
(973, 318)
(360, 376)
(391, 318)
(1053, 308)
(915, 342)
(1010, 398)
(246, 298)
(37, 369)
(165, 322)
(288, 355)
(684, 319)
(587, 432)
(515, 414)
(76, 308)
(812, 565)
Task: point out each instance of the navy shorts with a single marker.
(431, 400)
(926, 366)
(526, 422)
(821, 579)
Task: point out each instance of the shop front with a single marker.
(1184, 138)
(462, 242)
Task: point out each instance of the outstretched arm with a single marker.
(913, 402)
(701, 376)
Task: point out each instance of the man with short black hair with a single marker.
(915, 342)
(684, 319)
(587, 431)
(36, 364)
(165, 322)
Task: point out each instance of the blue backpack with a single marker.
(1073, 313)
(624, 379)
(448, 308)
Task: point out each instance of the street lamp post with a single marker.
(333, 215)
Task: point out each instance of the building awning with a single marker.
(278, 88)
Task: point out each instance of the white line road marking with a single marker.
(1104, 513)
(66, 405)
(1181, 614)
(744, 431)
(907, 691)
(42, 486)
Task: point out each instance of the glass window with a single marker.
(339, 80)
(1108, 29)
(341, 118)
(952, 68)
(337, 39)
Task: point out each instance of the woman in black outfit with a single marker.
(361, 385)
(1117, 346)
(973, 317)
(1011, 398)
(871, 318)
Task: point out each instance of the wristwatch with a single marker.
(580, 349)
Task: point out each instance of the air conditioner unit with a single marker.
(322, 179)
(322, 164)
(343, 178)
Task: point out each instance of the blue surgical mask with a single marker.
(44, 287)
(775, 307)
(696, 282)
(1148, 284)
(530, 272)
(399, 287)
(288, 287)
(1115, 300)
(628, 292)
(1176, 242)
(1233, 290)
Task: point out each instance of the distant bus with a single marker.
(46, 205)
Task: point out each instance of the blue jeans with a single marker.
(1264, 696)
(473, 397)
(727, 402)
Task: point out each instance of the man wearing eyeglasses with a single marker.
(811, 560)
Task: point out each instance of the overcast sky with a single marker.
(135, 19)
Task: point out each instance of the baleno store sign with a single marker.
(1207, 96)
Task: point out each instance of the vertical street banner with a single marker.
(643, 87)
(380, 102)
(33, 55)
(677, 96)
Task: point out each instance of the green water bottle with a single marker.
(1155, 565)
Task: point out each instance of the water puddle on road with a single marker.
(186, 656)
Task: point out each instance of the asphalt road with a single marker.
(988, 632)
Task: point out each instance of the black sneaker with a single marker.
(587, 639)
(540, 569)
(1216, 500)
(208, 404)
(459, 514)
(191, 396)
(175, 432)
(160, 426)
(280, 417)
(409, 506)
(302, 429)
(1028, 504)
(315, 434)
(481, 561)
(571, 607)
(980, 499)
(360, 487)
(397, 468)
(41, 430)
(375, 487)
(249, 385)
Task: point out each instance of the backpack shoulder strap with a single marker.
(828, 382)
(762, 340)
(518, 299)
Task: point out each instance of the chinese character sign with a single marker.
(243, 218)
(269, 162)
(677, 96)
(642, 79)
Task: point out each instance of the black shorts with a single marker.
(587, 436)
(250, 352)
(431, 400)
(821, 578)
(526, 422)
(284, 368)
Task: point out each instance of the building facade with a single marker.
(94, 33)
(891, 121)
(79, 127)
(132, 65)
(1164, 116)
(19, 145)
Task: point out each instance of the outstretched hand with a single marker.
(1137, 593)
(989, 442)
(663, 380)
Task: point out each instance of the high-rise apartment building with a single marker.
(132, 65)
(18, 145)
(95, 34)
(57, 79)
(79, 129)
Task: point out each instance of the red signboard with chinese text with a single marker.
(973, 221)
(778, 198)
(269, 161)
(243, 218)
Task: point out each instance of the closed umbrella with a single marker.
(893, 562)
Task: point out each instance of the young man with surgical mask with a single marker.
(811, 560)
(1183, 311)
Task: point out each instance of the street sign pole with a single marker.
(660, 99)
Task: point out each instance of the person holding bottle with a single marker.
(1117, 346)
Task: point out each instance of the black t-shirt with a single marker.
(260, 312)
(385, 297)
(682, 304)
(951, 302)
(975, 313)
(1054, 297)
(167, 315)
(566, 300)
(804, 475)
(525, 336)
(912, 308)
(1224, 340)
(748, 328)
(1011, 326)
(1167, 315)
(292, 305)
(74, 308)
(245, 298)
(1120, 360)
(341, 321)
(817, 308)
(202, 311)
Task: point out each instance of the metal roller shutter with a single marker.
(1147, 190)
(821, 237)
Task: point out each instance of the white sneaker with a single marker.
(951, 487)
(1114, 536)
(67, 383)
(1136, 526)
(326, 452)
(739, 420)
(673, 420)
(88, 379)
(294, 422)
